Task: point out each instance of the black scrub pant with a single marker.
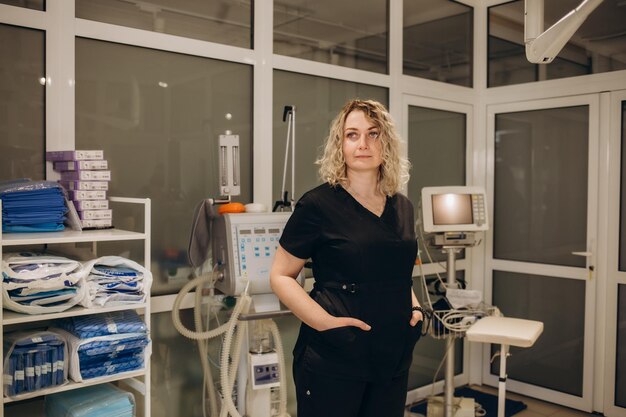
(323, 396)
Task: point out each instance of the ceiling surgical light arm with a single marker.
(542, 47)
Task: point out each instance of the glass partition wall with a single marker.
(166, 110)
(22, 103)
(156, 79)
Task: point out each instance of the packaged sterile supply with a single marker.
(34, 360)
(77, 195)
(102, 345)
(95, 214)
(32, 206)
(91, 205)
(85, 185)
(91, 175)
(113, 280)
(74, 155)
(105, 400)
(96, 223)
(40, 283)
(80, 165)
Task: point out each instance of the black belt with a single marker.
(354, 287)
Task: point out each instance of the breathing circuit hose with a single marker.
(229, 360)
(227, 378)
(242, 305)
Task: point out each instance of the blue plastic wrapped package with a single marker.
(106, 355)
(105, 400)
(32, 206)
(93, 325)
(102, 345)
(114, 280)
(36, 283)
(28, 364)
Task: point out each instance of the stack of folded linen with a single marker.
(104, 400)
(32, 206)
(113, 280)
(38, 283)
(34, 360)
(102, 345)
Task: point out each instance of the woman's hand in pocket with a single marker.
(334, 322)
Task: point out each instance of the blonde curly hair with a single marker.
(394, 170)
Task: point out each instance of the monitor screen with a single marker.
(451, 209)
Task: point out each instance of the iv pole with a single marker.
(449, 373)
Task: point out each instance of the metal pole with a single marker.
(504, 352)
(448, 406)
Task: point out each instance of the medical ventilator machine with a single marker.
(233, 251)
(454, 216)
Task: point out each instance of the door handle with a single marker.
(586, 255)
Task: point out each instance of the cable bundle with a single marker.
(32, 206)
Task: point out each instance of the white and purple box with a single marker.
(96, 223)
(85, 185)
(80, 165)
(95, 214)
(83, 205)
(78, 195)
(74, 155)
(90, 175)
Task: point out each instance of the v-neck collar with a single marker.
(362, 207)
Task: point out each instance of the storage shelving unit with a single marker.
(138, 380)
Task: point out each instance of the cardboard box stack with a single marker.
(85, 176)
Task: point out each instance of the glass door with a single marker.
(439, 142)
(540, 252)
(615, 349)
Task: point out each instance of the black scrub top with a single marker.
(349, 244)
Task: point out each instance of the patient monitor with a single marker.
(454, 209)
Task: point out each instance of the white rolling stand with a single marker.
(139, 380)
(505, 331)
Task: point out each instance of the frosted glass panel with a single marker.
(540, 207)
(438, 41)
(349, 33)
(227, 22)
(317, 101)
(158, 117)
(620, 360)
(22, 103)
(555, 361)
(437, 140)
(622, 242)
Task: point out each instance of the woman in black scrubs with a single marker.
(362, 319)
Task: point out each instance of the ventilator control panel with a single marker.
(244, 245)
